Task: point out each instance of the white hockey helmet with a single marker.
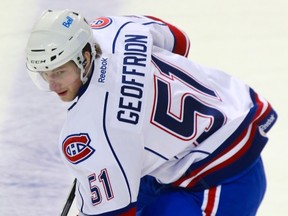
(58, 37)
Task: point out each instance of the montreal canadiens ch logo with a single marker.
(100, 23)
(76, 147)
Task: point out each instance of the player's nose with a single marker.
(54, 86)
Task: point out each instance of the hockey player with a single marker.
(142, 109)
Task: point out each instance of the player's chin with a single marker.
(66, 96)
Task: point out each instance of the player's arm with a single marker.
(179, 39)
(164, 34)
(106, 191)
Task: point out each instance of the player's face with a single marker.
(64, 81)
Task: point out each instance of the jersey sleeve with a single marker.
(102, 141)
(180, 40)
(164, 35)
(100, 157)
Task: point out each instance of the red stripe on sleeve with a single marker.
(181, 41)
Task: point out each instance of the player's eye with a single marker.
(59, 73)
(53, 75)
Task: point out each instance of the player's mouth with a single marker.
(62, 93)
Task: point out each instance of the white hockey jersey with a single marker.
(148, 111)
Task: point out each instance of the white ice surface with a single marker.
(246, 38)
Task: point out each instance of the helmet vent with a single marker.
(53, 58)
(38, 50)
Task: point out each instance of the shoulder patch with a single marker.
(76, 148)
(100, 23)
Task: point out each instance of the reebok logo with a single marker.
(103, 69)
(268, 123)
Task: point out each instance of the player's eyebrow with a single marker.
(59, 68)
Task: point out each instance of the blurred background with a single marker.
(248, 39)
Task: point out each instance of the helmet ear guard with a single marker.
(58, 37)
(81, 63)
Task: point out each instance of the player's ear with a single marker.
(87, 60)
